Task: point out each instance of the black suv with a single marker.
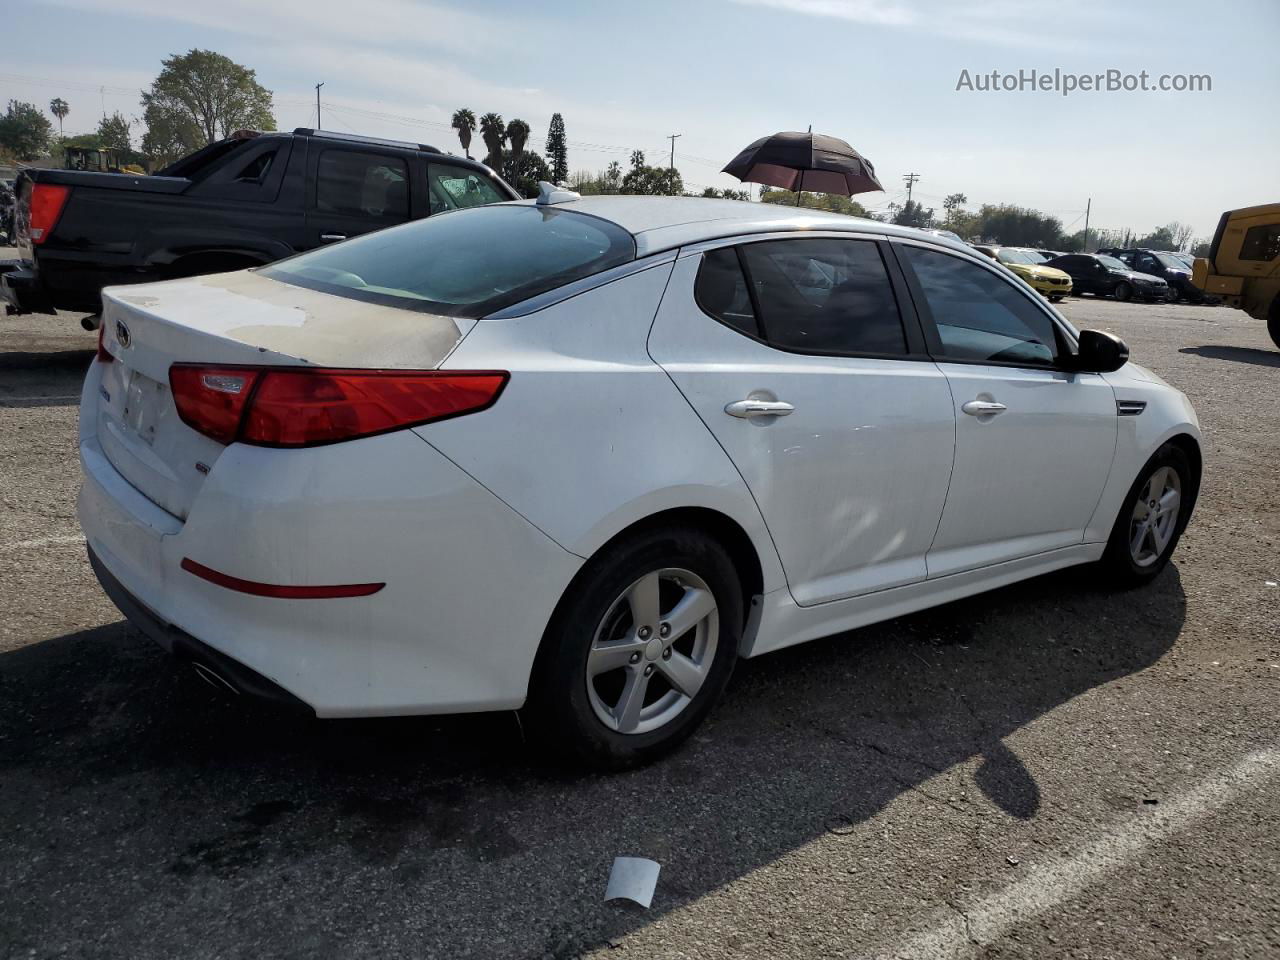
(1106, 276)
(1162, 264)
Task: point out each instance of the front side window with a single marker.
(355, 184)
(465, 264)
(454, 187)
(1261, 242)
(980, 316)
(824, 295)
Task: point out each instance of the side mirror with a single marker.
(1100, 352)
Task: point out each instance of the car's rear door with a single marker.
(1034, 442)
(795, 354)
(354, 189)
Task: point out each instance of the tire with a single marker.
(1273, 322)
(1125, 565)
(1122, 291)
(1057, 297)
(595, 660)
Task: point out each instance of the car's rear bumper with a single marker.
(217, 668)
(470, 584)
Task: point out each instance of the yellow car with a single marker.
(1046, 281)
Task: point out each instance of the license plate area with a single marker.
(141, 403)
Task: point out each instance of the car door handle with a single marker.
(332, 237)
(747, 409)
(983, 408)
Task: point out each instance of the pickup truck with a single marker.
(240, 202)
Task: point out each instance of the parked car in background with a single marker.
(577, 456)
(1106, 276)
(948, 234)
(1162, 264)
(240, 202)
(1045, 280)
(1243, 266)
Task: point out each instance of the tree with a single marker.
(1161, 238)
(952, 203)
(726, 194)
(58, 107)
(913, 214)
(464, 121)
(524, 171)
(202, 96)
(113, 131)
(613, 176)
(517, 136)
(494, 133)
(170, 135)
(24, 131)
(557, 149)
(832, 202)
(651, 181)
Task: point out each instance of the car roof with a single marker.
(664, 223)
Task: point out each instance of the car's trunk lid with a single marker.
(235, 318)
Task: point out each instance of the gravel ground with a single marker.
(1048, 770)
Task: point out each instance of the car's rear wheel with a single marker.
(1151, 519)
(1057, 297)
(640, 649)
(1273, 322)
(1123, 291)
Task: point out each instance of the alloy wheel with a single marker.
(652, 651)
(1155, 516)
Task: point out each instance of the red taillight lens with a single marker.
(212, 399)
(104, 355)
(303, 407)
(47, 201)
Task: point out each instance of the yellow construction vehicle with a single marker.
(1243, 266)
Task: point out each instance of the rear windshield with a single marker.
(465, 263)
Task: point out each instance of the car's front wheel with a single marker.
(1151, 519)
(1123, 291)
(639, 650)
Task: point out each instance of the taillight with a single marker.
(104, 355)
(47, 201)
(305, 406)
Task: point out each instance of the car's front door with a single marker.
(355, 191)
(1034, 442)
(795, 354)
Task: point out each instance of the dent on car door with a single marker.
(1034, 442)
(794, 354)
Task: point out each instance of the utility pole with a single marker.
(910, 180)
(672, 138)
(318, 86)
(1087, 205)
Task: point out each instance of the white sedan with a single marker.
(578, 455)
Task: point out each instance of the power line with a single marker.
(911, 179)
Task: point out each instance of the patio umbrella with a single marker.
(805, 161)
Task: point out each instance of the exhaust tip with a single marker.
(91, 322)
(215, 680)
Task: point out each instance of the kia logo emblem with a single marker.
(122, 333)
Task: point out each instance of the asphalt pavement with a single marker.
(1053, 769)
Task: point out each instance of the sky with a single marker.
(881, 74)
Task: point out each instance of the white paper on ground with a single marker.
(633, 878)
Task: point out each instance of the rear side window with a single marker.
(1261, 242)
(721, 291)
(362, 185)
(455, 187)
(467, 263)
(980, 316)
(825, 295)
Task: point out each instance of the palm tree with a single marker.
(517, 133)
(637, 159)
(58, 107)
(493, 131)
(464, 121)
